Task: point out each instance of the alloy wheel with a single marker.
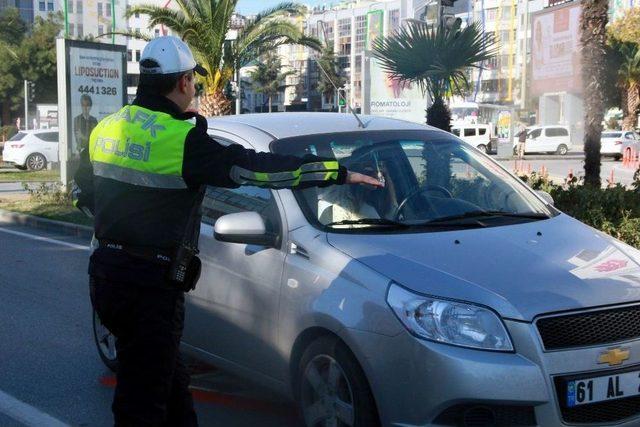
(327, 397)
(36, 162)
(104, 339)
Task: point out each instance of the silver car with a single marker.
(454, 296)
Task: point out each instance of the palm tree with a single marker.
(204, 24)
(267, 78)
(593, 37)
(331, 76)
(437, 59)
(628, 80)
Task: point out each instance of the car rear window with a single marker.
(48, 136)
(18, 136)
(456, 132)
(556, 132)
(611, 134)
(482, 131)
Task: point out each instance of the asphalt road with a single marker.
(50, 366)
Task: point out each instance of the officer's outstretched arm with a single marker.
(209, 162)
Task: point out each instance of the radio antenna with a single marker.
(360, 124)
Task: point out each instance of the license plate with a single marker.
(599, 389)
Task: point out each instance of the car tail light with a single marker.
(617, 142)
(17, 145)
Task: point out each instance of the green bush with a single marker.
(48, 193)
(614, 210)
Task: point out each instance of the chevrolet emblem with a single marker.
(613, 357)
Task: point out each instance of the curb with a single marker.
(66, 228)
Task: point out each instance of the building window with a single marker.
(100, 30)
(71, 28)
(80, 31)
(157, 32)
(361, 29)
(344, 36)
(129, 55)
(137, 56)
(50, 6)
(42, 6)
(394, 20)
(99, 9)
(108, 9)
(137, 14)
(79, 6)
(70, 6)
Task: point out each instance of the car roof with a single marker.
(273, 126)
(34, 131)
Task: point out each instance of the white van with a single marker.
(478, 135)
(546, 139)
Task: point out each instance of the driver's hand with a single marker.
(358, 178)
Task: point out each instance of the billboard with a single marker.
(92, 79)
(555, 51)
(375, 27)
(384, 96)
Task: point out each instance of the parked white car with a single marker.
(478, 135)
(614, 143)
(547, 139)
(32, 149)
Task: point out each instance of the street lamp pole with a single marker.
(26, 104)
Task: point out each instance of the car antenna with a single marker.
(360, 124)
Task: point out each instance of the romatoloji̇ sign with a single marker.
(91, 85)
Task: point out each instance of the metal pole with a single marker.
(66, 19)
(113, 22)
(26, 105)
(523, 79)
(238, 91)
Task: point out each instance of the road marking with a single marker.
(26, 414)
(44, 239)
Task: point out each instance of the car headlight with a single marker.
(449, 322)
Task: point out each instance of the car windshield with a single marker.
(431, 181)
(611, 134)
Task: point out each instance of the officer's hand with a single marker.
(358, 178)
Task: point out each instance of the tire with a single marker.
(105, 343)
(36, 162)
(515, 151)
(617, 157)
(320, 398)
(483, 148)
(562, 150)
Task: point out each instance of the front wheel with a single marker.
(105, 342)
(332, 389)
(483, 148)
(562, 149)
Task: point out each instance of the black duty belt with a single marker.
(144, 252)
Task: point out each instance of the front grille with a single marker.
(588, 329)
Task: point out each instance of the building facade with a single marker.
(25, 7)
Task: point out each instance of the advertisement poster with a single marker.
(91, 85)
(389, 98)
(95, 82)
(555, 54)
(375, 20)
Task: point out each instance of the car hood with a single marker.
(518, 270)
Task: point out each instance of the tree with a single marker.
(627, 27)
(437, 59)
(267, 77)
(593, 37)
(628, 81)
(331, 76)
(33, 59)
(204, 24)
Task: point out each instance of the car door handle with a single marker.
(296, 249)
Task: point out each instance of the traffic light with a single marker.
(31, 91)
(342, 97)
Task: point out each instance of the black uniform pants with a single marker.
(153, 383)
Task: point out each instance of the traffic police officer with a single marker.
(143, 178)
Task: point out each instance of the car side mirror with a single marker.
(546, 197)
(243, 227)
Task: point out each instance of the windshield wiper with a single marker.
(380, 222)
(487, 214)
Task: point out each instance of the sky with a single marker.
(250, 7)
